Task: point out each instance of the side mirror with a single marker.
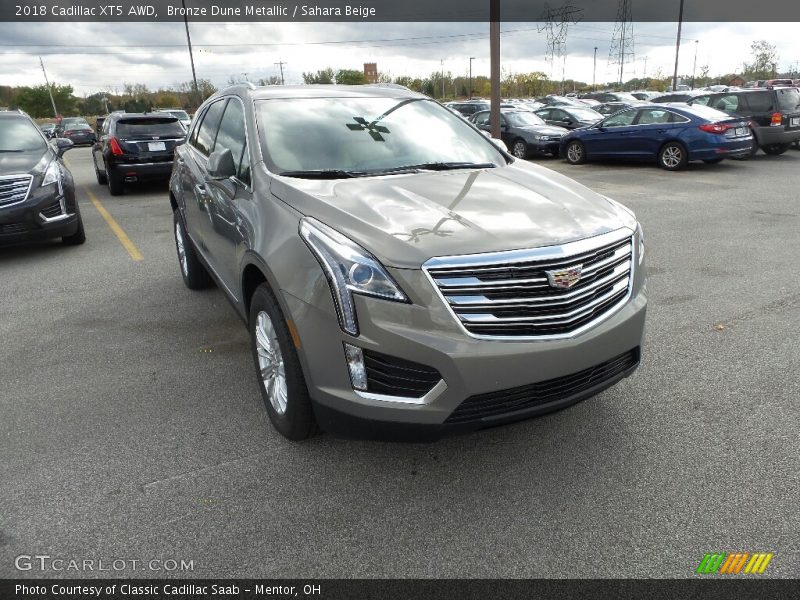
(501, 145)
(220, 164)
(61, 145)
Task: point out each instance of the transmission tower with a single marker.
(622, 42)
(556, 22)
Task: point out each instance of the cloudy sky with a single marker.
(103, 56)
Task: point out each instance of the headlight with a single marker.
(350, 270)
(52, 174)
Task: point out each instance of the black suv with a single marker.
(37, 194)
(469, 108)
(133, 147)
(774, 114)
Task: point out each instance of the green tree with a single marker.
(321, 76)
(765, 58)
(350, 77)
(36, 100)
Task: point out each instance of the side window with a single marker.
(106, 125)
(558, 115)
(622, 119)
(482, 118)
(760, 101)
(700, 100)
(231, 134)
(653, 116)
(727, 103)
(207, 132)
(544, 114)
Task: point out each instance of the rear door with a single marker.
(193, 176)
(653, 127)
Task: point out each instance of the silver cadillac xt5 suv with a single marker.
(400, 275)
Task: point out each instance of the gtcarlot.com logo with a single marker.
(45, 562)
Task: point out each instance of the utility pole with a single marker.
(594, 70)
(694, 68)
(677, 49)
(442, 61)
(280, 64)
(471, 58)
(49, 89)
(494, 58)
(191, 54)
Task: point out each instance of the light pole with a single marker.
(594, 69)
(191, 55)
(442, 80)
(694, 68)
(471, 58)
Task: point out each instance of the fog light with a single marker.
(355, 363)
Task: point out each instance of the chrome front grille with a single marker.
(509, 294)
(14, 188)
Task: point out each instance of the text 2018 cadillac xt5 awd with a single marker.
(399, 275)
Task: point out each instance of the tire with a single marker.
(672, 156)
(284, 389)
(796, 145)
(79, 237)
(101, 177)
(575, 153)
(115, 185)
(775, 149)
(712, 161)
(519, 148)
(193, 272)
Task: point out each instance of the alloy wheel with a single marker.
(520, 149)
(574, 152)
(671, 156)
(181, 249)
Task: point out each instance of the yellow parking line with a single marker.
(115, 227)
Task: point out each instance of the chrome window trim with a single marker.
(542, 253)
(27, 192)
(434, 393)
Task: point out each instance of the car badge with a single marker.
(563, 279)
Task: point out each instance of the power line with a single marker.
(622, 40)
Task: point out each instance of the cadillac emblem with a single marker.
(563, 279)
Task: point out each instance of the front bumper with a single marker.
(47, 213)
(544, 146)
(426, 333)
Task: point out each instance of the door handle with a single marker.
(200, 189)
(180, 161)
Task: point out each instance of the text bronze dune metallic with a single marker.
(506, 295)
(14, 189)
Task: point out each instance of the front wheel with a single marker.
(79, 237)
(775, 149)
(519, 148)
(672, 156)
(575, 153)
(280, 377)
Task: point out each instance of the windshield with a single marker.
(788, 99)
(153, 126)
(180, 114)
(20, 135)
(366, 134)
(585, 114)
(523, 119)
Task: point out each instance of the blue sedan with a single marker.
(671, 134)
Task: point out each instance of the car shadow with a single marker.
(31, 249)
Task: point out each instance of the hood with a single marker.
(16, 163)
(406, 219)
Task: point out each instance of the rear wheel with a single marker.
(280, 377)
(519, 148)
(775, 149)
(115, 185)
(101, 177)
(575, 153)
(193, 272)
(672, 156)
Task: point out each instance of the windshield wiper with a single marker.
(323, 174)
(437, 166)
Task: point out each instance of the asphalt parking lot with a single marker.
(132, 427)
